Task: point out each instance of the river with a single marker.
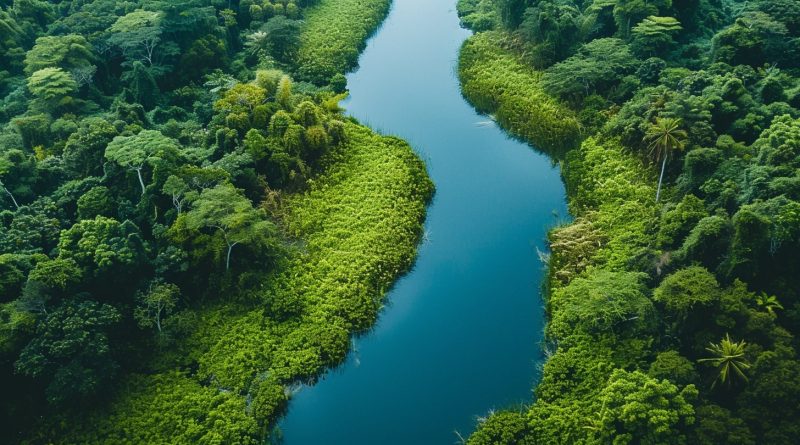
(460, 334)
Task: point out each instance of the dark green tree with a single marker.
(71, 351)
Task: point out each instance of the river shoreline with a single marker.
(460, 333)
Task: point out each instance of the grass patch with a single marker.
(334, 35)
(495, 82)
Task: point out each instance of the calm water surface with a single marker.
(460, 334)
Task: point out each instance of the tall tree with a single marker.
(103, 246)
(653, 35)
(52, 85)
(145, 148)
(5, 168)
(226, 210)
(155, 304)
(138, 35)
(665, 136)
(67, 52)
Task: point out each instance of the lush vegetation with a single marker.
(491, 78)
(186, 233)
(673, 296)
(336, 32)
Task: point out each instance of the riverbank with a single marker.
(672, 298)
(462, 330)
(359, 224)
(611, 198)
(497, 83)
(351, 231)
(334, 34)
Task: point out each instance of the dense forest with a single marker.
(673, 297)
(189, 226)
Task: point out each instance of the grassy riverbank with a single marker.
(335, 33)
(344, 208)
(651, 301)
(610, 196)
(357, 228)
(496, 82)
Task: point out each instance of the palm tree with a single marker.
(665, 136)
(769, 302)
(728, 356)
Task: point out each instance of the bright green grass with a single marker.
(357, 228)
(496, 82)
(335, 32)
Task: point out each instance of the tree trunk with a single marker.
(10, 195)
(228, 258)
(141, 181)
(661, 178)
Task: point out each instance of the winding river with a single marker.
(460, 334)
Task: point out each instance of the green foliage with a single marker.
(608, 186)
(597, 67)
(102, 246)
(84, 149)
(665, 136)
(283, 38)
(71, 351)
(149, 147)
(143, 86)
(729, 358)
(69, 52)
(357, 240)
(687, 291)
(772, 395)
(171, 407)
(603, 302)
(505, 427)
(138, 35)
(639, 409)
(226, 210)
(677, 221)
(653, 35)
(123, 87)
(334, 33)
(493, 81)
(716, 425)
(157, 303)
(52, 85)
(554, 29)
(478, 15)
(672, 366)
(60, 274)
(96, 202)
(731, 216)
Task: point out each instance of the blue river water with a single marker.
(460, 334)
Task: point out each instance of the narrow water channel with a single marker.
(460, 333)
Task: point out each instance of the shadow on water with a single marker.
(460, 333)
